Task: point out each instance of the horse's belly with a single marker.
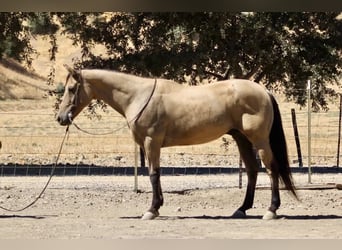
(194, 136)
(201, 118)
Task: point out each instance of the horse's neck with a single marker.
(123, 92)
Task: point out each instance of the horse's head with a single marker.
(77, 95)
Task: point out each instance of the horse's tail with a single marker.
(279, 149)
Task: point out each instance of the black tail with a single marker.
(279, 149)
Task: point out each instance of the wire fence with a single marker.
(30, 140)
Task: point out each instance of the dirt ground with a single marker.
(195, 207)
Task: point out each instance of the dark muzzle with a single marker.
(65, 119)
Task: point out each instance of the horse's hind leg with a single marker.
(266, 156)
(248, 157)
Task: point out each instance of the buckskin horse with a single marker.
(163, 113)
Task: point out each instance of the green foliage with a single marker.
(15, 36)
(280, 49)
(60, 89)
(43, 24)
(18, 28)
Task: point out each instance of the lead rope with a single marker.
(91, 133)
(47, 183)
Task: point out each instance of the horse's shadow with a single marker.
(248, 217)
(36, 217)
(311, 217)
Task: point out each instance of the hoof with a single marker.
(269, 216)
(149, 215)
(239, 214)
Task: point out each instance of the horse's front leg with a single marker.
(152, 152)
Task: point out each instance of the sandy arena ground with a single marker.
(195, 207)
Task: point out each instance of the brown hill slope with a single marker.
(16, 82)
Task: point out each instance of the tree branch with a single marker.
(252, 73)
(217, 75)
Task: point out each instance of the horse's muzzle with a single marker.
(65, 119)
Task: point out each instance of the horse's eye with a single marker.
(72, 89)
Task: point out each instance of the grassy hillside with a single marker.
(16, 82)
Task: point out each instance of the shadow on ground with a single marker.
(248, 217)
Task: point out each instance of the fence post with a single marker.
(296, 135)
(136, 156)
(339, 133)
(240, 172)
(309, 130)
(142, 158)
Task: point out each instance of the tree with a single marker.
(17, 29)
(14, 36)
(279, 49)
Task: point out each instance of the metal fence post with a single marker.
(136, 156)
(240, 172)
(309, 130)
(339, 133)
(296, 135)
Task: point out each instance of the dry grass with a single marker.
(30, 134)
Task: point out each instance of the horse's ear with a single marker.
(76, 74)
(68, 68)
